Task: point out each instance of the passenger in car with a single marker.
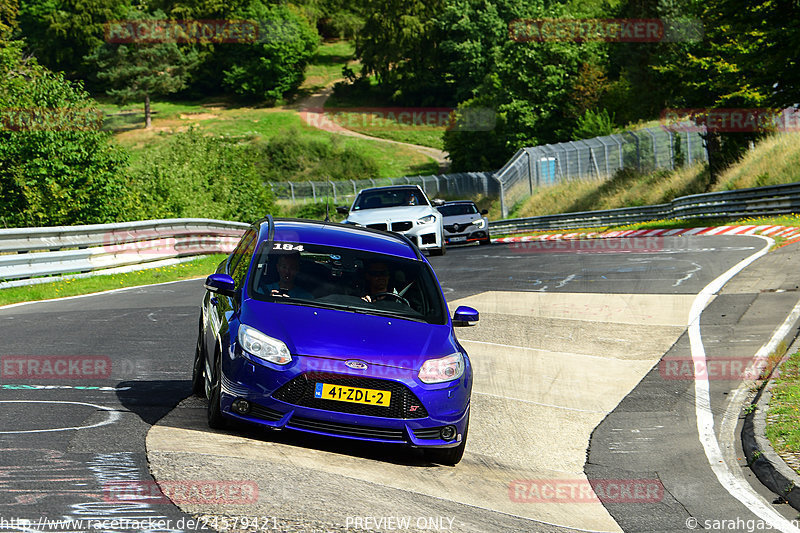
(288, 266)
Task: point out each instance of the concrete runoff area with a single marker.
(548, 368)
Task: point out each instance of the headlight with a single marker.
(480, 223)
(426, 219)
(445, 369)
(263, 346)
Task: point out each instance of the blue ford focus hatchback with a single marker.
(335, 330)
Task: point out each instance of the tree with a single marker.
(9, 10)
(56, 166)
(60, 33)
(274, 65)
(138, 71)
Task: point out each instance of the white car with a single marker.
(464, 222)
(401, 209)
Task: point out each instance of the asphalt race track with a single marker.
(579, 364)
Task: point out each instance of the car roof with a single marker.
(305, 231)
(415, 187)
(454, 202)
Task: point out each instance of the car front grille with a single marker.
(347, 429)
(401, 226)
(381, 226)
(452, 228)
(300, 391)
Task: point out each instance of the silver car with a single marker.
(464, 223)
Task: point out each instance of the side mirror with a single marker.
(484, 211)
(465, 316)
(438, 202)
(343, 210)
(221, 284)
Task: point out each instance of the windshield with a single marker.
(346, 279)
(457, 209)
(376, 199)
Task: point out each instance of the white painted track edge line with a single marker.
(705, 418)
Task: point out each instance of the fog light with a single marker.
(448, 433)
(241, 406)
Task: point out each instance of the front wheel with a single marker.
(487, 240)
(214, 413)
(198, 369)
(448, 456)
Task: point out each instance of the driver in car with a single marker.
(377, 276)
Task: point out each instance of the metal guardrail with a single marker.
(758, 201)
(29, 252)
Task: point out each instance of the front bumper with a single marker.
(425, 236)
(466, 237)
(417, 424)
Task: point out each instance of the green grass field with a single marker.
(200, 267)
(783, 415)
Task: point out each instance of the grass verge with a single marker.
(200, 267)
(783, 415)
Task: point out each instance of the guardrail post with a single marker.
(313, 191)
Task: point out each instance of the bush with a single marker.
(56, 167)
(294, 158)
(192, 175)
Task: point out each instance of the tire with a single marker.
(487, 240)
(448, 456)
(198, 368)
(214, 412)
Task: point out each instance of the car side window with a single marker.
(241, 261)
(236, 255)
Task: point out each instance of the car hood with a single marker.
(344, 335)
(391, 214)
(461, 220)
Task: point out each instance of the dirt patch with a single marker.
(197, 116)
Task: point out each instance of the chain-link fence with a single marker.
(465, 184)
(599, 158)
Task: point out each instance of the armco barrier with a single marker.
(29, 252)
(758, 201)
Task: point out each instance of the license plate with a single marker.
(326, 391)
(458, 239)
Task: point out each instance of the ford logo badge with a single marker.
(358, 365)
